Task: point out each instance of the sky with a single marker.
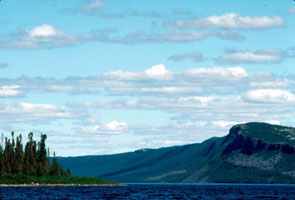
(107, 76)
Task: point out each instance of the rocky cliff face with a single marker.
(262, 149)
(237, 140)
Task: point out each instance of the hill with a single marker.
(250, 153)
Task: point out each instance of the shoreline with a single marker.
(58, 185)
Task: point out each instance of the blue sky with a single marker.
(102, 77)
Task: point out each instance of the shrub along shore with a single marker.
(27, 180)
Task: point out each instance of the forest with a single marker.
(32, 159)
(31, 164)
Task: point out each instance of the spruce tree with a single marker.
(42, 162)
(8, 156)
(54, 170)
(33, 160)
(30, 162)
(19, 155)
(13, 162)
(2, 169)
(69, 173)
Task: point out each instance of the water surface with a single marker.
(153, 191)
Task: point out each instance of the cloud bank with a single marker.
(230, 20)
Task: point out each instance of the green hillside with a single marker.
(250, 153)
(268, 132)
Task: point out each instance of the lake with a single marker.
(154, 191)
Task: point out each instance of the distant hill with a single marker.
(250, 153)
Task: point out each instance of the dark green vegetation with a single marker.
(27, 179)
(31, 160)
(31, 164)
(250, 153)
(269, 133)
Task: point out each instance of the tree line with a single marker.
(31, 159)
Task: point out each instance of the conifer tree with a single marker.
(8, 156)
(34, 160)
(54, 170)
(61, 172)
(19, 155)
(42, 162)
(69, 173)
(30, 156)
(2, 169)
(13, 162)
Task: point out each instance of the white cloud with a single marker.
(173, 36)
(172, 90)
(90, 129)
(238, 72)
(170, 36)
(111, 128)
(182, 133)
(44, 31)
(184, 36)
(156, 80)
(285, 83)
(39, 85)
(61, 88)
(248, 57)
(172, 142)
(119, 74)
(9, 91)
(225, 124)
(275, 122)
(158, 72)
(231, 20)
(46, 36)
(269, 95)
(92, 7)
(116, 126)
(229, 35)
(12, 112)
(155, 72)
(196, 81)
(216, 94)
(260, 56)
(196, 100)
(42, 37)
(253, 106)
(41, 110)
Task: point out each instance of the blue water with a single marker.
(153, 191)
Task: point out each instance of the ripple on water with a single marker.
(150, 191)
